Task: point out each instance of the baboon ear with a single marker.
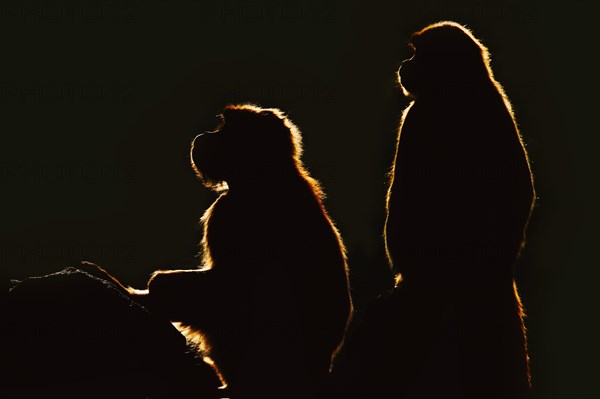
(268, 116)
(271, 120)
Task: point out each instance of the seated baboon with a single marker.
(271, 298)
(460, 196)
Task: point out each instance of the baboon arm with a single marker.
(177, 294)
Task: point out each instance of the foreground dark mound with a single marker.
(73, 334)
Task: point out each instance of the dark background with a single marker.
(102, 98)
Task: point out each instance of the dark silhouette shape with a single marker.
(460, 197)
(271, 300)
(71, 334)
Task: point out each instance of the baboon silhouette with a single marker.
(271, 299)
(459, 201)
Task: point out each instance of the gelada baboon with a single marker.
(460, 196)
(460, 162)
(271, 298)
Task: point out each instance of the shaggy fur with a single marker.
(271, 298)
(460, 196)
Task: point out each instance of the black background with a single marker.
(102, 98)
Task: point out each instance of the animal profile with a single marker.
(459, 201)
(461, 160)
(271, 298)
